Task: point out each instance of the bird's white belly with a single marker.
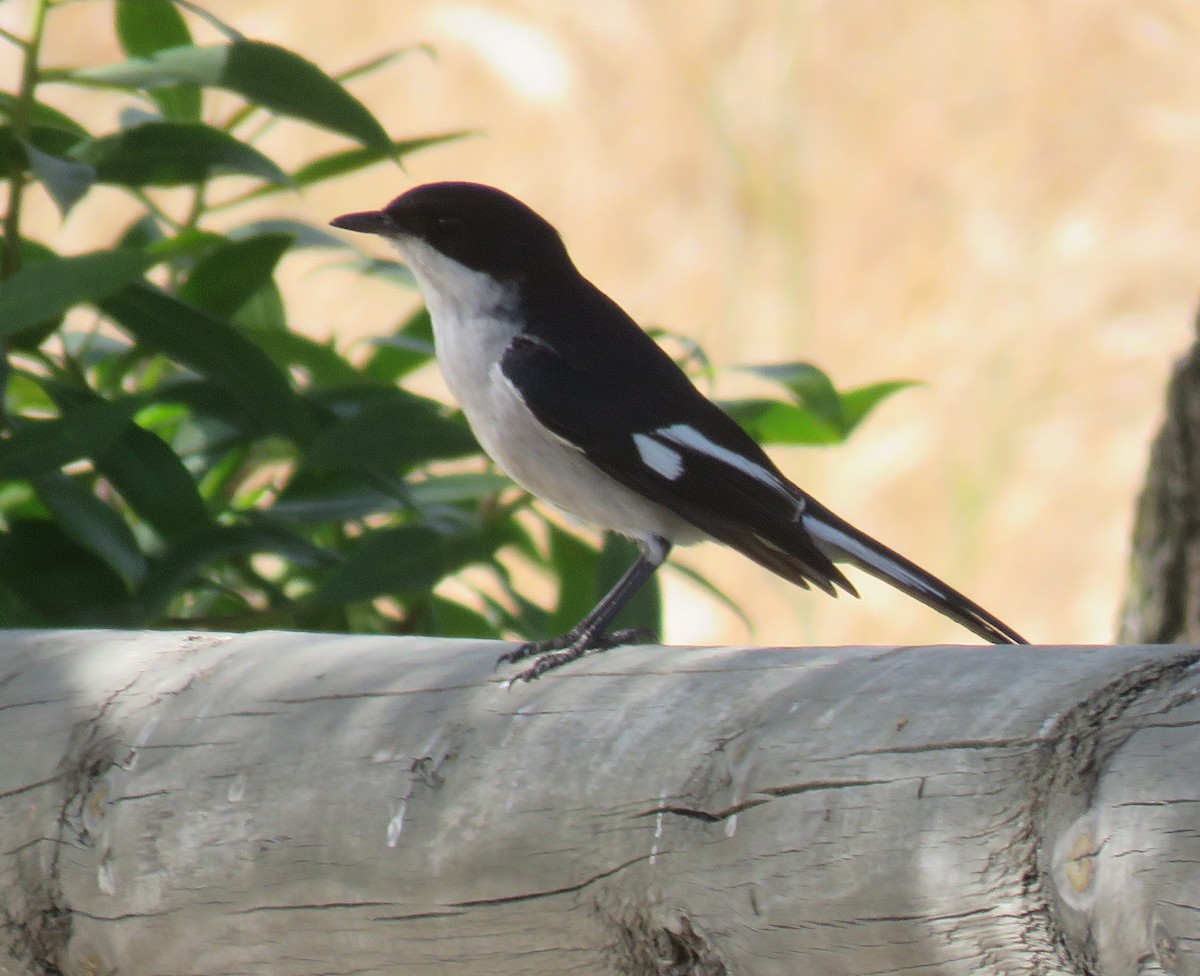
(560, 474)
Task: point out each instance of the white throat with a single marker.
(474, 319)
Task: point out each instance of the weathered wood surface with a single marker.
(304, 804)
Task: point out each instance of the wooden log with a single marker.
(304, 804)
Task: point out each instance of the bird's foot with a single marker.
(557, 651)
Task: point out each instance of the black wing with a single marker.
(639, 419)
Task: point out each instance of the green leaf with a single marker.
(809, 386)
(34, 252)
(148, 475)
(266, 75)
(314, 497)
(776, 422)
(321, 362)
(24, 394)
(226, 30)
(225, 278)
(17, 500)
(222, 418)
(182, 103)
(189, 243)
(212, 347)
(92, 524)
(29, 253)
(46, 289)
(351, 160)
(383, 60)
(14, 151)
(812, 389)
(389, 428)
(173, 66)
(284, 82)
(108, 354)
(263, 315)
(398, 355)
(40, 116)
(174, 154)
(861, 400)
(408, 560)
(37, 446)
(143, 233)
(190, 556)
(154, 483)
(303, 235)
(146, 27)
(65, 180)
(15, 613)
(59, 579)
(456, 489)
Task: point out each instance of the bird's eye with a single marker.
(448, 222)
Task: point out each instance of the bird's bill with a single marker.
(364, 222)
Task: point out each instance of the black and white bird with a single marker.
(581, 407)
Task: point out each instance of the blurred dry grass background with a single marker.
(999, 197)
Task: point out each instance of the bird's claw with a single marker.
(534, 648)
(557, 651)
(546, 661)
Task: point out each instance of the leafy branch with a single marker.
(173, 454)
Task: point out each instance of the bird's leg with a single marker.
(588, 634)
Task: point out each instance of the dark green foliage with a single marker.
(171, 454)
(816, 412)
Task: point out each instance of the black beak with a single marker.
(365, 222)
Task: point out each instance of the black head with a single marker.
(478, 226)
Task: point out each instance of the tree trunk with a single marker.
(304, 804)
(1162, 605)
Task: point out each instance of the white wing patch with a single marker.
(687, 436)
(659, 458)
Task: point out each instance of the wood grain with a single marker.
(304, 804)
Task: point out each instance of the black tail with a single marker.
(842, 541)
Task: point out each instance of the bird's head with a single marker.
(441, 227)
